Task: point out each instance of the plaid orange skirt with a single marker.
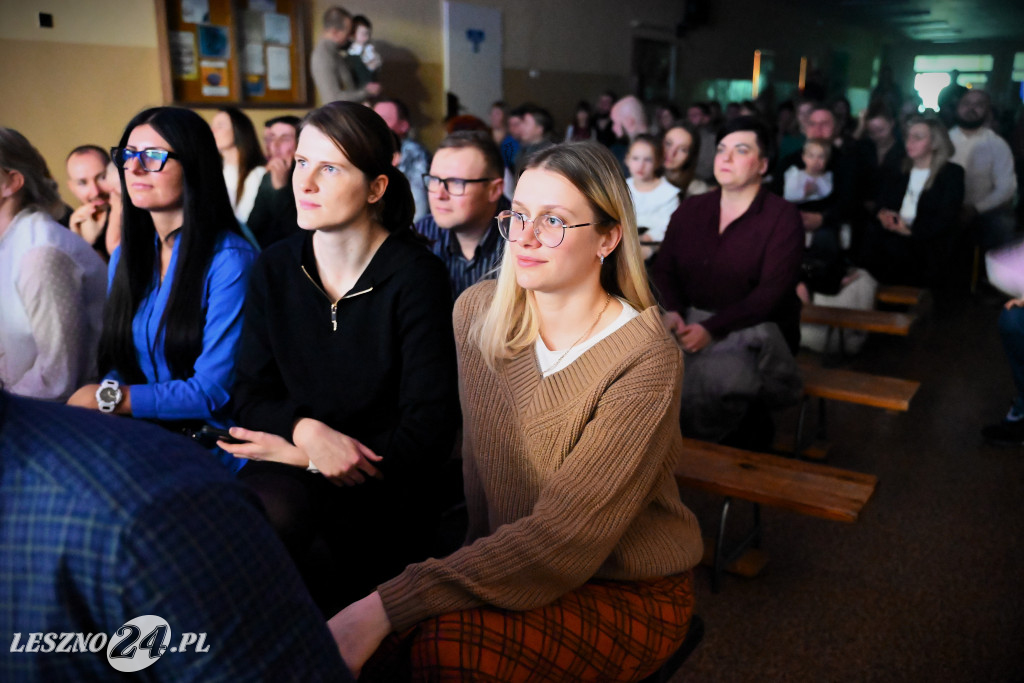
(603, 631)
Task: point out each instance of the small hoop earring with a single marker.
(601, 256)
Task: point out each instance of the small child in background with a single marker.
(364, 58)
(811, 182)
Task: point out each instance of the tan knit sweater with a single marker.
(568, 477)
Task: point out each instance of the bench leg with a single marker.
(752, 539)
(822, 420)
(798, 441)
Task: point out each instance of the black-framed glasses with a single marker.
(151, 160)
(456, 187)
(550, 230)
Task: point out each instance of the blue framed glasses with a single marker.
(150, 160)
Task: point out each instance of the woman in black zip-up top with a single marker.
(346, 391)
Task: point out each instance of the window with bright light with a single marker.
(925, 63)
(928, 86)
(932, 74)
(1018, 67)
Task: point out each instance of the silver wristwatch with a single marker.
(109, 395)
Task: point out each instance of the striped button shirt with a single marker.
(463, 272)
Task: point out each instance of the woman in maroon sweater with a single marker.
(730, 261)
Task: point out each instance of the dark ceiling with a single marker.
(933, 21)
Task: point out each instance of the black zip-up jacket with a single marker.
(377, 365)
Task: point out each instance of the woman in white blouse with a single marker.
(243, 159)
(654, 198)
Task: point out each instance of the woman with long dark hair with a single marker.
(680, 151)
(243, 159)
(570, 389)
(177, 281)
(347, 364)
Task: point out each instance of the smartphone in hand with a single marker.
(212, 435)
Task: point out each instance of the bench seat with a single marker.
(883, 322)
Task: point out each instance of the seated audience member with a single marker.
(912, 241)
(654, 198)
(628, 121)
(602, 118)
(846, 124)
(570, 389)
(364, 57)
(727, 272)
(465, 190)
(177, 281)
(1010, 430)
(415, 158)
(51, 282)
(87, 172)
(792, 134)
(680, 150)
(579, 128)
(813, 181)
(501, 133)
(823, 221)
(879, 153)
(328, 63)
(347, 365)
(104, 521)
(243, 161)
(273, 212)
(989, 177)
(534, 133)
(665, 116)
(699, 116)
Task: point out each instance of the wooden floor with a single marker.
(928, 585)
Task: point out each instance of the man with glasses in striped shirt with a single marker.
(464, 187)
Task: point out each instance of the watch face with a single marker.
(109, 394)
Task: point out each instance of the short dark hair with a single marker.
(293, 121)
(361, 20)
(541, 115)
(481, 141)
(82, 149)
(752, 124)
(336, 17)
(703, 106)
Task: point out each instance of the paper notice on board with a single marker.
(252, 27)
(278, 28)
(279, 68)
(214, 78)
(195, 11)
(252, 59)
(183, 55)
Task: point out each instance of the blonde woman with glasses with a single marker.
(570, 394)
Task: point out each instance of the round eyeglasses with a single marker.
(550, 230)
(151, 160)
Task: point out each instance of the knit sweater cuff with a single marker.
(401, 602)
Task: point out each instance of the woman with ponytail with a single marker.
(177, 280)
(346, 373)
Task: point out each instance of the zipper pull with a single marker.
(334, 316)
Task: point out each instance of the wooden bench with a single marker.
(833, 384)
(899, 295)
(884, 322)
(796, 485)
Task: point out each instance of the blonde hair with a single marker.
(941, 146)
(510, 324)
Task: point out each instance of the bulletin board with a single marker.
(250, 53)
